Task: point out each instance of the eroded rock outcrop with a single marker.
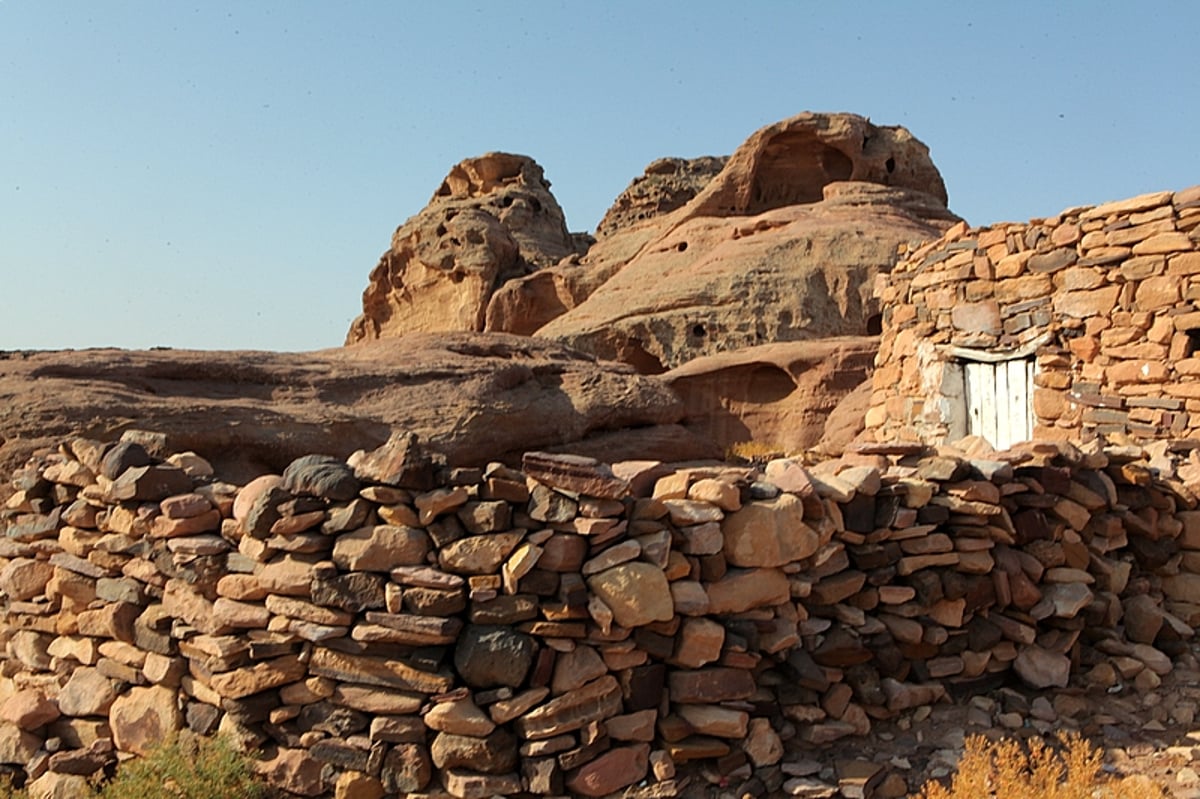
(667, 184)
(493, 219)
(525, 304)
(783, 244)
(780, 395)
(473, 397)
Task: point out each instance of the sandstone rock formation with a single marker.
(667, 184)
(473, 397)
(780, 395)
(525, 304)
(783, 244)
(492, 220)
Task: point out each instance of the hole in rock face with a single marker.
(794, 168)
(535, 204)
(890, 165)
(681, 246)
(1193, 343)
(506, 202)
(874, 324)
(698, 330)
(634, 353)
(441, 230)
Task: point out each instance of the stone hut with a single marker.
(1079, 325)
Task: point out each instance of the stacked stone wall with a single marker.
(382, 627)
(1107, 299)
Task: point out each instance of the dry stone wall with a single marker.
(1105, 298)
(382, 627)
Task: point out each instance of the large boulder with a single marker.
(780, 395)
(783, 244)
(472, 397)
(493, 219)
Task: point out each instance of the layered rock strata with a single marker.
(571, 628)
(475, 398)
(779, 396)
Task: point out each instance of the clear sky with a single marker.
(224, 175)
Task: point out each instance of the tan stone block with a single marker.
(25, 578)
(575, 668)
(114, 620)
(167, 527)
(610, 772)
(698, 642)
(241, 587)
(1135, 234)
(1186, 390)
(715, 720)
(306, 611)
(1164, 242)
(1157, 293)
(465, 784)
(459, 717)
(260, 677)
(1144, 350)
(1142, 267)
(1187, 263)
(672, 486)
(744, 589)
(723, 494)
(769, 533)
(180, 601)
(286, 575)
(637, 593)
(1138, 371)
(1019, 289)
(381, 548)
(145, 717)
(29, 709)
(1012, 265)
(1079, 278)
(243, 615)
(977, 317)
(596, 701)
(1082, 304)
(86, 693)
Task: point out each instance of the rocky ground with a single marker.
(1155, 733)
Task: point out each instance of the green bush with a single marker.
(186, 768)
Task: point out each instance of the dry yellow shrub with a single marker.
(752, 451)
(1007, 770)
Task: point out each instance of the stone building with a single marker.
(1074, 326)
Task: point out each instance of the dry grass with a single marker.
(181, 768)
(752, 451)
(186, 768)
(1008, 770)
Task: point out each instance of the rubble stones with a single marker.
(488, 656)
(320, 476)
(572, 653)
(637, 593)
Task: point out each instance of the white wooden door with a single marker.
(999, 400)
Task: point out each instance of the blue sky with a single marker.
(225, 175)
